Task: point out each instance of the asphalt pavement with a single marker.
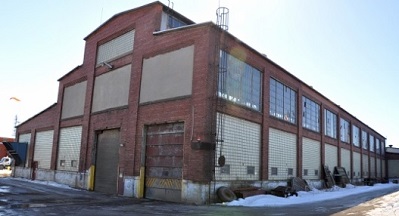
(24, 197)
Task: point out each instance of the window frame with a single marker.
(310, 114)
(282, 106)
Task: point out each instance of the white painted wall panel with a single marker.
(331, 156)
(43, 148)
(69, 148)
(345, 161)
(311, 161)
(282, 154)
(241, 148)
(356, 165)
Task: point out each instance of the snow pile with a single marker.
(307, 197)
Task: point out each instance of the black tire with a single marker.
(225, 194)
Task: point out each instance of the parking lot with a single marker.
(24, 197)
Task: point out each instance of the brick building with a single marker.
(167, 109)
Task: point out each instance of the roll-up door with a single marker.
(25, 138)
(365, 166)
(240, 147)
(372, 167)
(310, 159)
(282, 155)
(43, 149)
(107, 160)
(345, 161)
(69, 148)
(356, 165)
(164, 161)
(331, 156)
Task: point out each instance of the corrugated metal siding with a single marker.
(25, 138)
(345, 161)
(372, 167)
(311, 159)
(282, 154)
(116, 47)
(43, 148)
(69, 148)
(331, 156)
(378, 168)
(365, 166)
(241, 148)
(356, 165)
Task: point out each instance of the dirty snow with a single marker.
(308, 197)
(51, 183)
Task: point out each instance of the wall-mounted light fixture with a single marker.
(107, 64)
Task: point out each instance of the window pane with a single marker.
(239, 82)
(282, 101)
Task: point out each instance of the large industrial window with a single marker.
(310, 114)
(173, 22)
(371, 140)
(344, 130)
(282, 101)
(364, 140)
(377, 146)
(330, 122)
(382, 147)
(355, 136)
(239, 82)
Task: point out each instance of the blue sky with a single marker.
(346, 50)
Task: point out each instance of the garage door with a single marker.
(43, 149)
(107, 159)
(164, 161)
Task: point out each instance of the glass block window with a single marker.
(371, 141)
(310, 114)
(344, 130)
(355, 136)
(330, 123)
(115, 48)
(239, 82)
(282, 101)
(364, 140)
